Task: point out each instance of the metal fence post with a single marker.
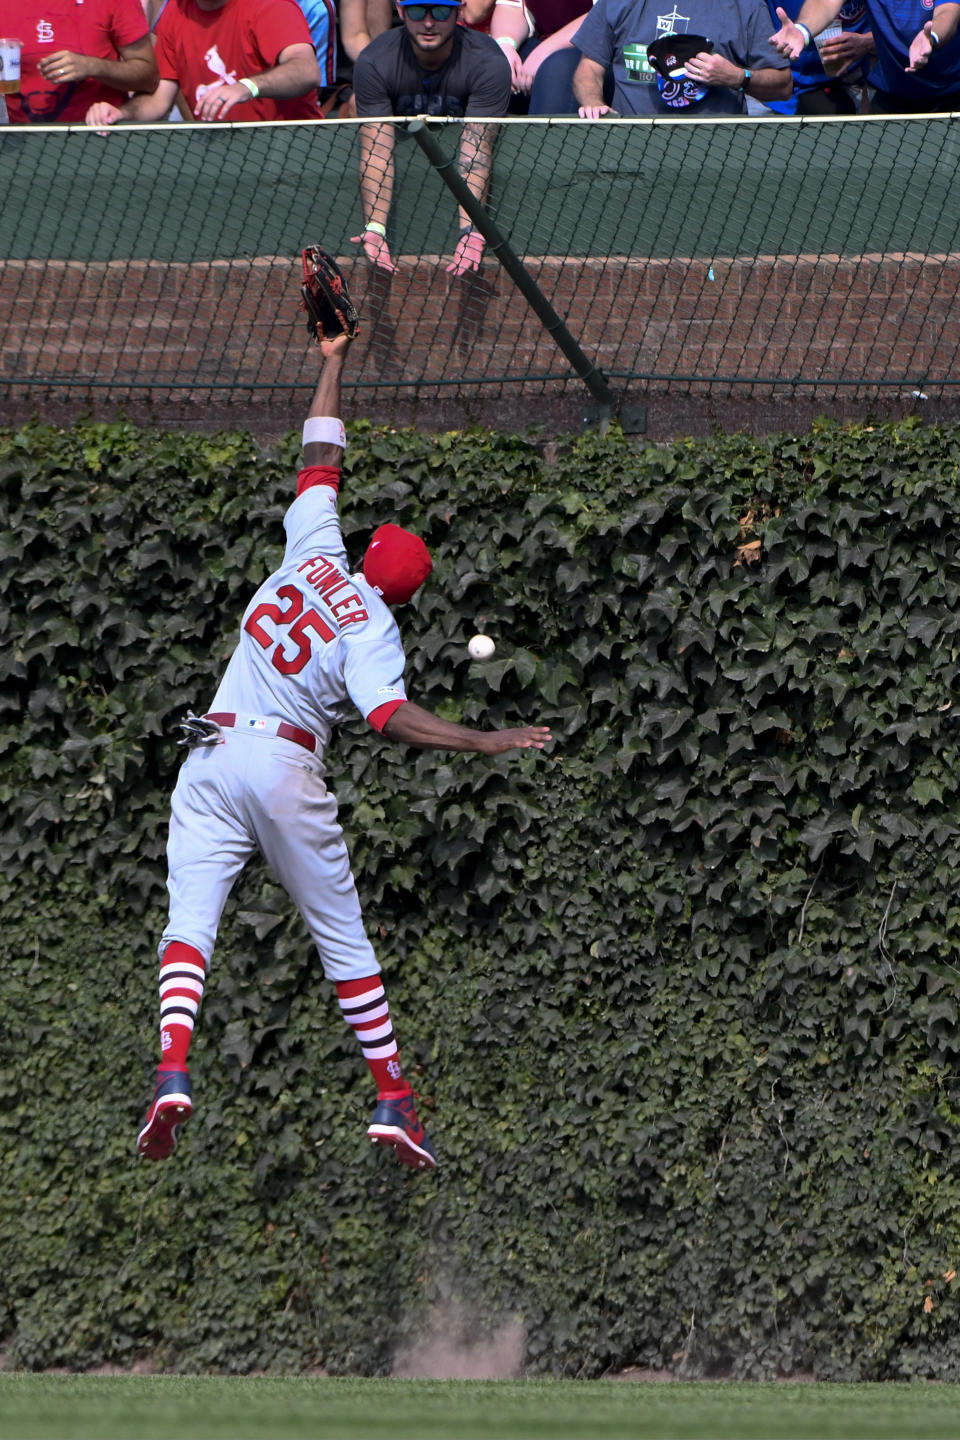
(446, 168)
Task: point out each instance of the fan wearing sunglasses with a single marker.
(429, 65)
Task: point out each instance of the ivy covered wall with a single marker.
(679, 996)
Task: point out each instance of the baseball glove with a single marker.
(198, 731)
(670, 53)
(326, 299)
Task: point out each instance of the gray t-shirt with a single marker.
(474, 81)
(618, 32)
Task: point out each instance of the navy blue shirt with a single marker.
(894, 24)
(808, 73)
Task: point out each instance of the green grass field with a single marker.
(90, 1407)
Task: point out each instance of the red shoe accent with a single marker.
(395, 1123)
(171, 1107)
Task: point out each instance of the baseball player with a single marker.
(314, 641)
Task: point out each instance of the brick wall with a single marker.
(222, 343)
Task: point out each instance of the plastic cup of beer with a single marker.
(9, 66)
(832, 32)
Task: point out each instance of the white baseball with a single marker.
(481, 647)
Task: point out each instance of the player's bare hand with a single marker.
(101, 115)
(376, 249)
(788, 40)
(714, 71)
(921, 48)
(468, 254)
(64, 66)
(220, 100)
(335, 345)
(527, 737)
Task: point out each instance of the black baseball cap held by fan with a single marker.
(670, 53)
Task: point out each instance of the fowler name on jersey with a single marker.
(324, 577)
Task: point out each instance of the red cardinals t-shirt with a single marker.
(87, 27)
(204, 48)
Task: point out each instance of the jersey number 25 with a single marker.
(296, 621)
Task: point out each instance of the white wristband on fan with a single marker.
(324, 430)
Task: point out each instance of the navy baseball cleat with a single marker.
(170, 1108)
(395, 1123)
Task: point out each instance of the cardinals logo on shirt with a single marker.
(224, 76)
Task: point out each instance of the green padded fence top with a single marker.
(690, 256)
(661, 189)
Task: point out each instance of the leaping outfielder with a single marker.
(315, 640)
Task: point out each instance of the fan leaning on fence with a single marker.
(429, 66)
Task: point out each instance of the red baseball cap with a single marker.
(396, 563)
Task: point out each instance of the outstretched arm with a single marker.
(795, 35)
(326, 403)
(376, 193)
(941, 27)
(476, 156)
(410, 724)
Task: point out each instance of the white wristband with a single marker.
(507, 40)
(251, 85)
(324, 430)
(805, 32)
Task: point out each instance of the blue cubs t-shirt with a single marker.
(618, 32)
(808, 73)
(894, 24)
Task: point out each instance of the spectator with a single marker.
(428, 66)
(358, 22)
(928, 40)
(827, 76)
(362, 21)
(73, 57)
(477, 14)
(918, 68)
(242, 59)
(617, 33)
(321, 16)
(532, 32)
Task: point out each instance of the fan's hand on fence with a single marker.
(921, 48)
(101, 115)
(468, 254)
(788, 40)
(594, 112)
(376, 249)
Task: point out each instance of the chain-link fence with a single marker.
(689, 262)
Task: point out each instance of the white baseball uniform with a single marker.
(314, 640)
